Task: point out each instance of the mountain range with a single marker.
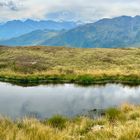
(121, 31)
(16, 28)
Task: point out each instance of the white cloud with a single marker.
(85, 10)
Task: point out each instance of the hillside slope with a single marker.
(117, 32)
(31, 39)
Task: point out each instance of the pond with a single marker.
(45, 101)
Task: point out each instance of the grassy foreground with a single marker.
(122, 123)
(73, 65)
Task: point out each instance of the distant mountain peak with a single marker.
(30, 20)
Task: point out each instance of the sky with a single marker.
(70, 10)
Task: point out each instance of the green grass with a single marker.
(69, 65)
(79, 128)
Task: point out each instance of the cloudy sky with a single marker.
(77, 10)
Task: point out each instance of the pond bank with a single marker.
(73, 79)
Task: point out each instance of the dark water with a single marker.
(68, 99)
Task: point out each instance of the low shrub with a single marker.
(134, 115)
(114, 114)
(57, 122)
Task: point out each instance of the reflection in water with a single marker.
(67, 99)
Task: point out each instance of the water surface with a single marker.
(44, 101)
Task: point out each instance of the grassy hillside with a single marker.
(60, 64)
(117, 124)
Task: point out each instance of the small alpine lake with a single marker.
(45, 101)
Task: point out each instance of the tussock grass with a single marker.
(76, 65)
(79, 128)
